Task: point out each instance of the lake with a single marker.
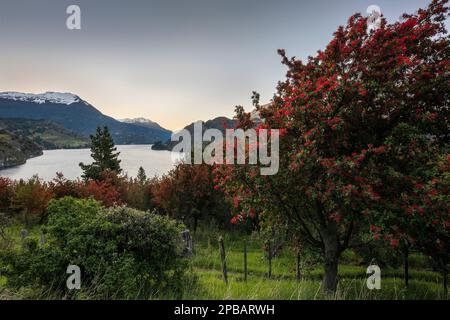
(66, 161)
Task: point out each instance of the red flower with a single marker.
(379, 150)
(336, 217)
(235, 202)
(419, 186)
(251, 213)
(394, 243)
(236, 219)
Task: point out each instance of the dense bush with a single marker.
(123, 253)
(62, 187)
(137, 192)
(187, 193)
(102, 191)
(5, 194)
(31, 199)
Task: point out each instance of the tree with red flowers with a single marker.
(338, 111)
(430, 230)
(411, 162)
(187, 193)
(414, 213)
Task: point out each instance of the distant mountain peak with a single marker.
(136, 120)
(143, 122)
(75, 114)
(41, 98)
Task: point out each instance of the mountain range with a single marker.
(220, 123)
(76, 115)
(30, 123)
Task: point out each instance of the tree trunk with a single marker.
(331, 248)
(445, 275)
(195, 223)
(299, 274)
(223, 260)
(25, 216)
(406, 266)
(270, 259)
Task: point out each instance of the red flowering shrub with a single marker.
(104, 191)
(62, 187)
(32, 198)
(6, 194)
(187, 192)
(138, 193)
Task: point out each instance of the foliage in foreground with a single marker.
(123, 253)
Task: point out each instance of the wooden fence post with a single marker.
(298, 271)
(223, 259)
(245, 261)
(270, 258)
(23, 234)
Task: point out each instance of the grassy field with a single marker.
(424, 283)
(207, 281)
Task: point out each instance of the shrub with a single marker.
(5, 239)
(105, 191)
(187, 192)
(62, 187)
(135, 193)
(123, 253)
(32, 198)
(6, 194)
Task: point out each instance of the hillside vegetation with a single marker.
(15, 150)
(47, 134)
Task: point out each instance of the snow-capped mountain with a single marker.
(81, 117)
(143, 122)
(53, 97)
(137, 120)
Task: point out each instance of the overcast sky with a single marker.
(172, 61)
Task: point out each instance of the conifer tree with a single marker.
(141, 176)
(104, 153)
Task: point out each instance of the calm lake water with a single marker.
(66, 161)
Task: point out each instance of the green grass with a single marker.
(210, 286)
(209, 283)
(13, 233)
(424, 283)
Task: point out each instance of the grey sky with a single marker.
(173, 61)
